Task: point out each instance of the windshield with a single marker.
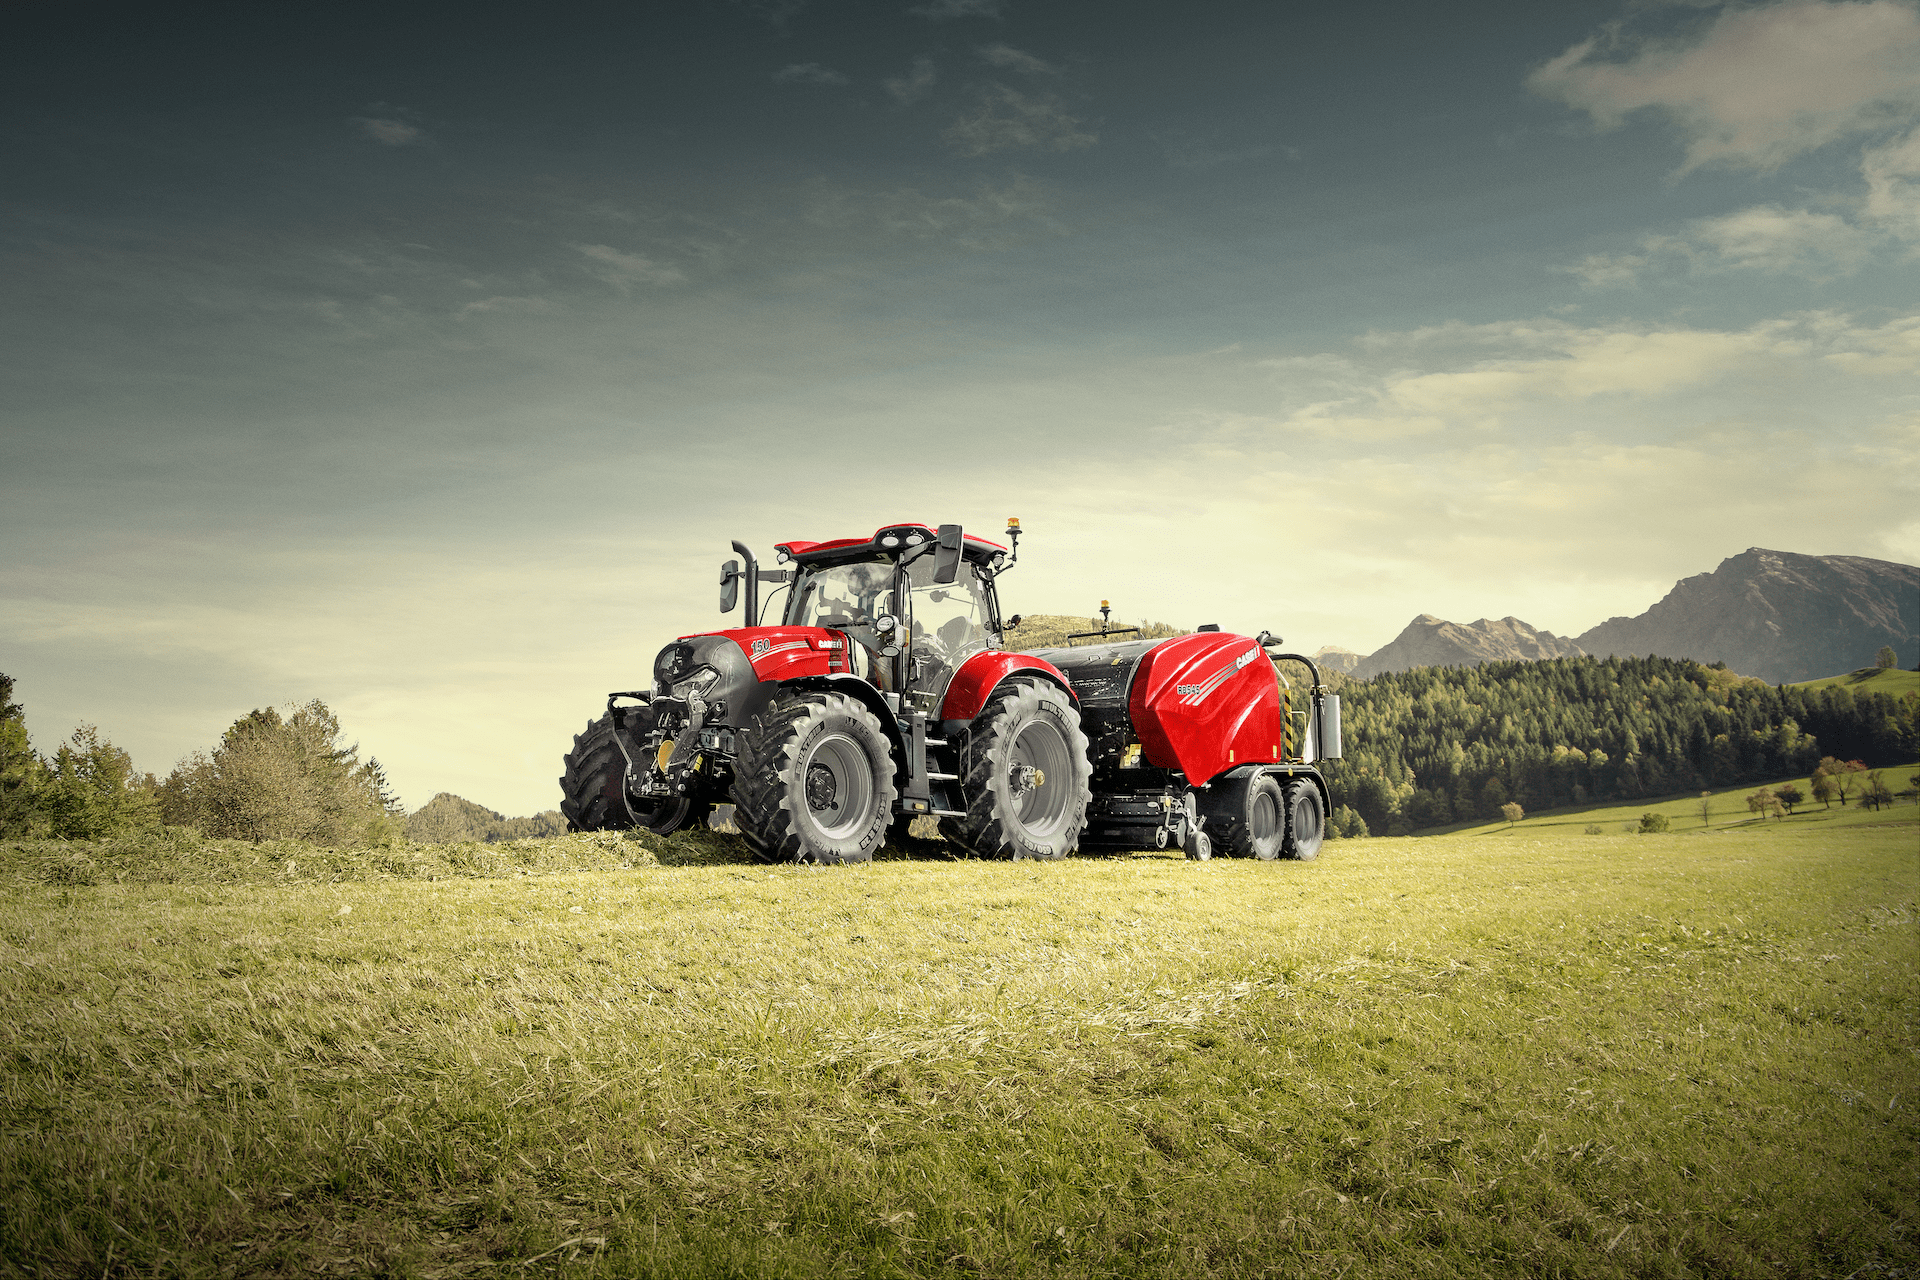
(851, 591)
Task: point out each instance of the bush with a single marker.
(1593, 829)
(1651, 822)
(276, 777)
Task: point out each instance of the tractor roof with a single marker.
(885, 540)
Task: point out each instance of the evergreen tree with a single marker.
(21, 774)
(91, 790)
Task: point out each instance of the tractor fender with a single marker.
(986, 671)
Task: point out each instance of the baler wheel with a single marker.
(1306, 821)
(1024, 776)
(596, 775)
(1249, 820)
(814, 780)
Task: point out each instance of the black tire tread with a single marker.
(1227, 819)
(1290, 794)
(760, 785)
(592, 788)
(981, 831)
(593, 769)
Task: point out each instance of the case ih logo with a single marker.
(761, 646)
(1194, 694)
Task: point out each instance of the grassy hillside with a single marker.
(1888, 680)
(1670, 1055)
(1050, 630)
(1728, 810)
(449, 819)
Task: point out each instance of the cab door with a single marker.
(947, 623)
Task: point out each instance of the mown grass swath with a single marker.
(1537, 1054)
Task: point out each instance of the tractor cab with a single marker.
(914, 612)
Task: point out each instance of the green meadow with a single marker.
(1511, 1052)
(1892, 681)
(1726, 811)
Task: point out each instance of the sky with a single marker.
(425, 360)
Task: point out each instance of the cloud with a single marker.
(1496, 378)
(1184, 150)
(808, 73)
(1765, 238)
(625, 270)
(1893, 188)
(505, 305)
(990, 217)
(948, 10)
(913, 86)
(394, 133)
(1758, 85)
(1005, 117)
(777, 13)
(1001, 55)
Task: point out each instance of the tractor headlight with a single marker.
(696, 684)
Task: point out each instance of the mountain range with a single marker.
(1778, 615)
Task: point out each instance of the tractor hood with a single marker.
(741, 661)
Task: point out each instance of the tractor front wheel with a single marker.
(1306, 821)
(814, 781)
(593, 790)
(1024, 776)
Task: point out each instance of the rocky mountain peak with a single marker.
(1433, 642)
(1778, 615)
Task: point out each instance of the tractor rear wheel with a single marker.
(1248, 817)
(814, 780)
(1306, 821)
(593, 790)
(1024, 776)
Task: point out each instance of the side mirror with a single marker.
(946, 561)
(729, 585)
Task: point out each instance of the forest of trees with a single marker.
(1446, 744)
(272, 776)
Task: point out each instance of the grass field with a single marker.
(1889, 680)
(1524, 1053)
(1727, 806)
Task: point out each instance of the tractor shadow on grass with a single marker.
(719, 844)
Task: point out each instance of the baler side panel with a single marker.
(1205, 703)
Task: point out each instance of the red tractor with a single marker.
(885, 694)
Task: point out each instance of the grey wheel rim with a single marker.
(1306, 822)
(1263, 821)
(1040, 779)
(837, 785)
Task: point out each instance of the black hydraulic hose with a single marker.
(753, 583)
(1297, 657)
(1317, 693)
